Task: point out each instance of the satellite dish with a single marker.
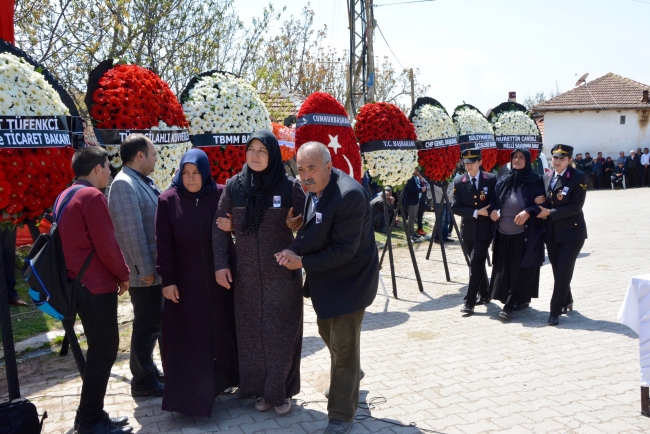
(582, 79)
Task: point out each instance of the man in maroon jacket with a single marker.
(85, 227)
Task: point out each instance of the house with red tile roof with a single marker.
(608, 115)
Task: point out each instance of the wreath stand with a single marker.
(437, 229)
(388, 245)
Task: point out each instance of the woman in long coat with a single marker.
(519, 239)
(268, 298)
(199, 351)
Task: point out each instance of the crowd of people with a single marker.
(230, 314)
(225, 314)
(631, 171)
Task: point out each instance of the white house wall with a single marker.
(591, 131)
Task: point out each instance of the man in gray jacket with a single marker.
(132, 202)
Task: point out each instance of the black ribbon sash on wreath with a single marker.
(480, 141)
(158, 137)
(220, 139)
(38, 131)
(388, 145)
(437, 143)
(323, 119)
(519, 142)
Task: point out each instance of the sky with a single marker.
(476, 51)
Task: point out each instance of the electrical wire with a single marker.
(391, 50)
(639, 1)
(404, 3)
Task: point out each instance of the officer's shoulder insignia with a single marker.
(584, 186)
(454, 190)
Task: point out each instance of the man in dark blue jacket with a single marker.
(339, 255)
(411, 202)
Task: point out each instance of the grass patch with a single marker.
(398, 236)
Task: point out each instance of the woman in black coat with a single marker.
(519, 240)
(608, 171)
(199, 350)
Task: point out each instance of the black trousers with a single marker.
(631, 177)
(646, 176)
(8, 245)
(98, 313)
(147, 304)
(563, 258)
(478, 280)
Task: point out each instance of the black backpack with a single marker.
(45, 270)
(20, 417)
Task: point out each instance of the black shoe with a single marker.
(505, 314)
(118, 421)
(483, 300)
(520, 306)
(449, 240)
(157, 389)
(105, 426)
(326, 392)
(553, 320)
(467, 309)
(337, 427)
(567, 308)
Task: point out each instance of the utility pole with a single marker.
(361, 72)
(412, 87)
(370, 62)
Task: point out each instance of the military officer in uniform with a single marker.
(565, 230)
(472, 194)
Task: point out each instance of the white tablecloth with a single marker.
(635, 313)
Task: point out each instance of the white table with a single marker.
(635, 313)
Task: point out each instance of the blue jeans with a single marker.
(444, 220)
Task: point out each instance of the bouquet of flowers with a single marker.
(470, 121)
(434, 126)
(131, 98)
(222, 110)
(512, 119)
(323, 119)
(30, 177)
(385, 122)
(285, 136)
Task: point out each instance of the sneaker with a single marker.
(261, 405)
(421, 232)
(337, 427)
(284, 408)
(416, 239)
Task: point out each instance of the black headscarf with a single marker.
(200, 160)
(257, 185)
(516, 177)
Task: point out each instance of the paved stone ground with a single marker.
(442, 371)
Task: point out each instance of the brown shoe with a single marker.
(284, 408)
(261, 405)
(17, 301)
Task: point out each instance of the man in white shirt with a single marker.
(645, 164)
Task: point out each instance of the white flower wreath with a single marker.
(391, 167)
(433, 123)
(222, 103)
(469, 121)
(512, 123)
(24, 91)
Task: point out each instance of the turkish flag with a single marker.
(7, 20)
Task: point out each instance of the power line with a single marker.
(404, 3)
(639, 1)
(391, 50)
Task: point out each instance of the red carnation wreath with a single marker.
(129, 97)
(340, 140)
(385, 121)
(32, 178)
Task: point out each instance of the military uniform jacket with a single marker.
(467, 199)
(566, 221)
